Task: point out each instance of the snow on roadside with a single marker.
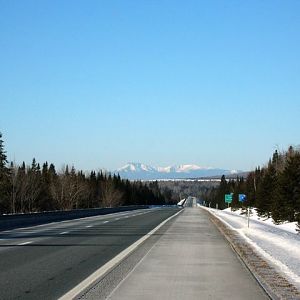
(181, 202)
(288, 226)
(279, 244)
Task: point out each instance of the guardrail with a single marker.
(25, 220)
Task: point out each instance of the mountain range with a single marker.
(139, 171)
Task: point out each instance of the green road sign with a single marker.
(228, 198)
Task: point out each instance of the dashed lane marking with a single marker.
(25, 243)
(111, 264)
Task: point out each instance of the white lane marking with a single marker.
(111, 264)
(89, 226)
(105, 222)
(117, 219)
(28, 227)
(65, 232)
(68, 221)
(25, 243)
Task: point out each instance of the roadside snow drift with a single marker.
(279, 244)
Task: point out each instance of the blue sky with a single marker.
(100, 83)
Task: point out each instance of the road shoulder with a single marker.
(105, 284)
(275, 285)
(191, 260)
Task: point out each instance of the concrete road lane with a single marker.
(45, 262)
(191, 202)
(192, 260)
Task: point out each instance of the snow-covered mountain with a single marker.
(136, 171)
(136, 167)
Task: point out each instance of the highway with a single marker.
(191, 202)
(191, 260)
(185, 258)
(46, 261)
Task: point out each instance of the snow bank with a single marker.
(279, 244)
(288, 226)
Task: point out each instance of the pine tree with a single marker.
(22, 183)
(45, 199)
(4, 180)
(278, 165)
(297, 190)
(250, 190)
(93, 190)
(239, 188)
(289, 188)
(223, 189)
(34, 187)
(265, 191)
(13, 170)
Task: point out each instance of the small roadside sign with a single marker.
(228, 198)
(242, 197)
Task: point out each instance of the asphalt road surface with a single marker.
(191, 202)
(46, 261)
(191, 260)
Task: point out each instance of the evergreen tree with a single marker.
(30, 188)
(34, 187)
(289, 188)
(265, 192)
(250, 190)
(92, 191)
(46, 202)
(13, 170)
(239, 188)
(4, 180)
(224, 188)
(277, 165)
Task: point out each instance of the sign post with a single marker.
(243, 198)
(248, 214)
(228, 199)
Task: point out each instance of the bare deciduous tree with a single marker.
(68, 189)
(111, 197)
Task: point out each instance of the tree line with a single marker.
(273, 189)
(35, 188)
